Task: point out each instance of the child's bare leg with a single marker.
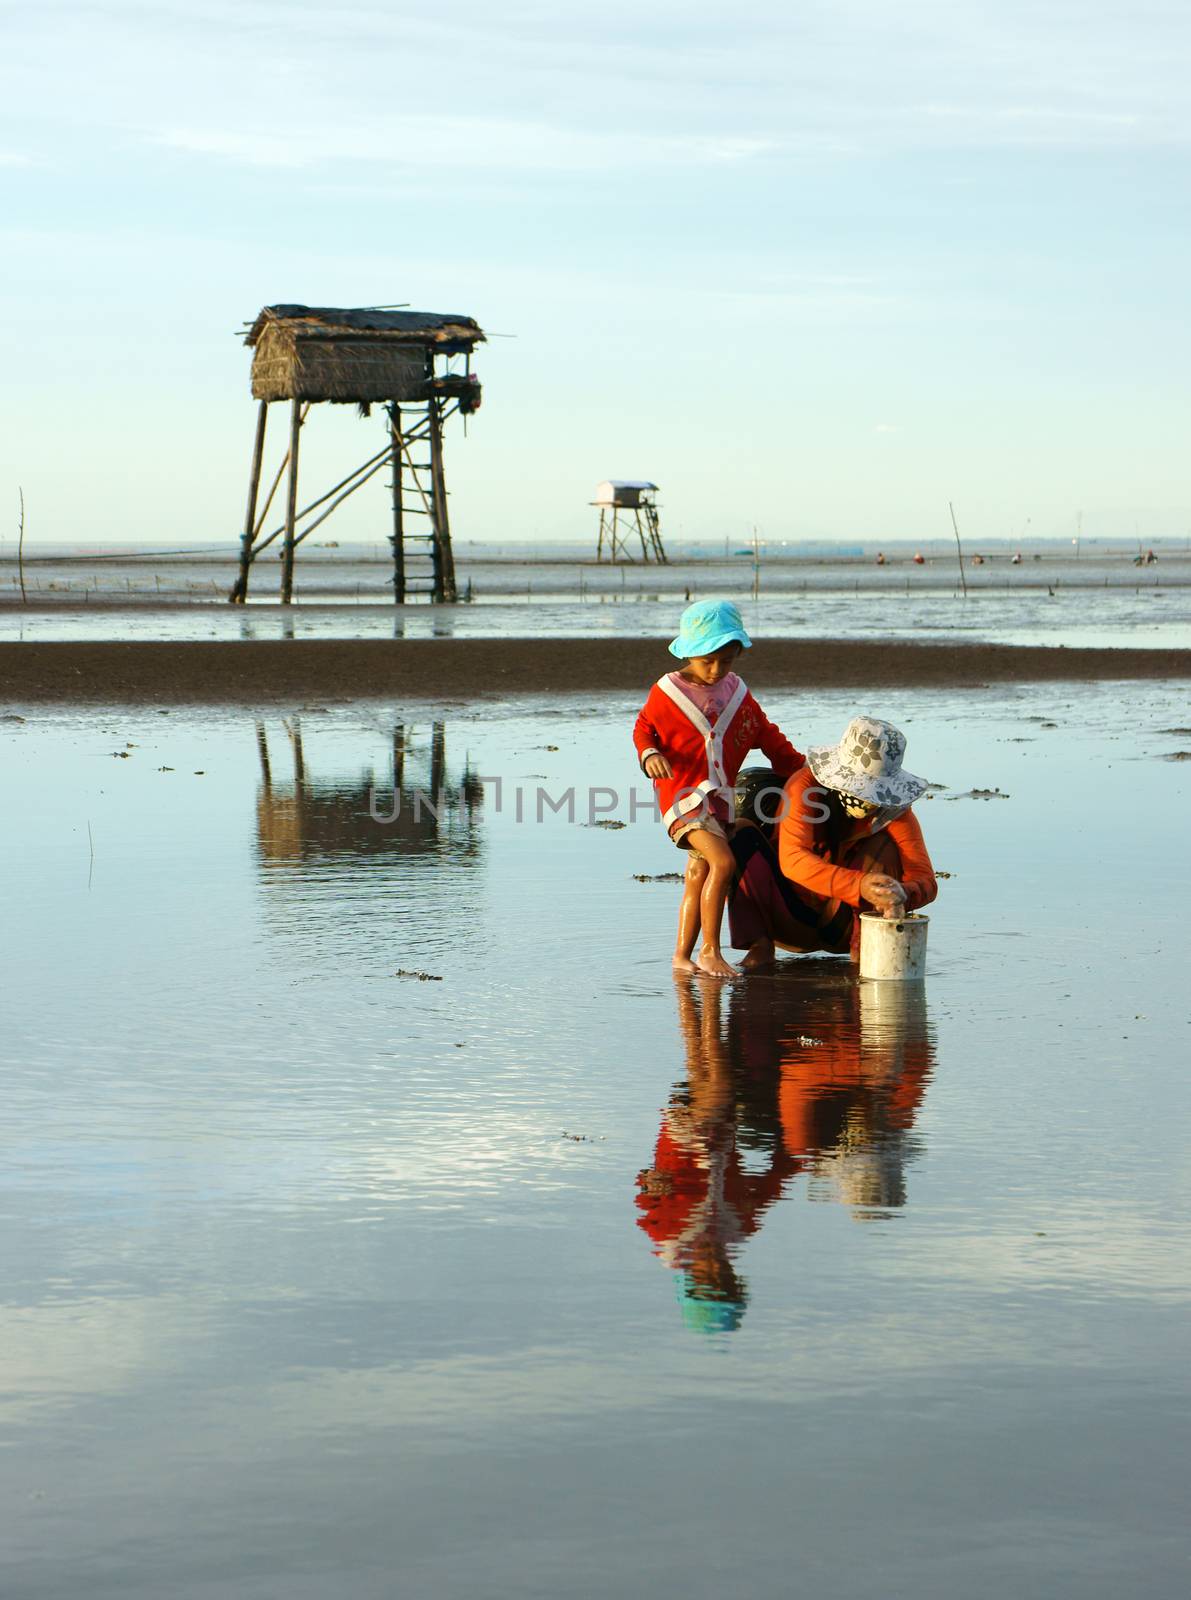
(721, 864)
(688, 914)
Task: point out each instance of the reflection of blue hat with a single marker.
(703, 1315)
(708, 626)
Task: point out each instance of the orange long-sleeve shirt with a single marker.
(802, 851)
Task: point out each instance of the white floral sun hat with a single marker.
(867, 763)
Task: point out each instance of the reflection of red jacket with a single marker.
(705, 757)
(870, 1058)
(820, 1084)
(707, 1192)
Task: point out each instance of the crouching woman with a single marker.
(845, 841)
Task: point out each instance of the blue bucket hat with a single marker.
(708, 626)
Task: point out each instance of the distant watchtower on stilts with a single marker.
(627, 507)
(417, 365)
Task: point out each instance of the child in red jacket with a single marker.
(692, 735)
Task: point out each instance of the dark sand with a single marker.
(269, 671)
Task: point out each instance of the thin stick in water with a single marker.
(21, 546)
(959, 548)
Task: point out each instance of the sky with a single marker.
(813, 267)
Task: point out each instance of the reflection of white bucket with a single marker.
(892, 1024)
(893, 947)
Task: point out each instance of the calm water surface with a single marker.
(549, 1276)
(1096, 601)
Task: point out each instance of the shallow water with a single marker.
(1097, 601)
(319, 1279)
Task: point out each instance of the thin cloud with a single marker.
(466, 143)
(676, 88)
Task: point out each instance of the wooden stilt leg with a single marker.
(262, 745)
(291, 507)
(444, 561)
(399, 756)
(397, 539)
(438, 765)
(655, 535)
(240, 588)
(295, 738)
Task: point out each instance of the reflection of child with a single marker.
(692, 735)
(700, 1200)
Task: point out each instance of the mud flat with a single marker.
(261, 671)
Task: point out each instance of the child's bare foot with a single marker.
(714, 965)
(760, 955)
(684, 964)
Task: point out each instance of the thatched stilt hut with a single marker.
(623, 503)
(421, 360)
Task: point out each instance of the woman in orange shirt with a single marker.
(846, 841)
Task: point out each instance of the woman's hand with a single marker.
(883, 892)
(657, 767)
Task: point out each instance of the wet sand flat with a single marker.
(248, 672)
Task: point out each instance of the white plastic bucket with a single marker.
(893, 947)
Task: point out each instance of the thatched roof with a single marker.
(328, 353)
(329, 322)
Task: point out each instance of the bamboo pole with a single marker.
(368, 467)
(21, 546)
(240, 588)
(335, 504)
(655, 534)
(262, 747)
(620, 540)
(291, 508)
(398, 756)
(415, 468)
(438, 766)
(444, 561)
(397, 538)
(959, 548)
(273, 487)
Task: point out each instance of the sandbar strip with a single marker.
(250, 672)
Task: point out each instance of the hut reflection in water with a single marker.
(422, 808)
(810, 1072)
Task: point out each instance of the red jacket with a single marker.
(803, 853)
(705, 759)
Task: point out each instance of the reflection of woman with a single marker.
(847, 841)
(847, 1101)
